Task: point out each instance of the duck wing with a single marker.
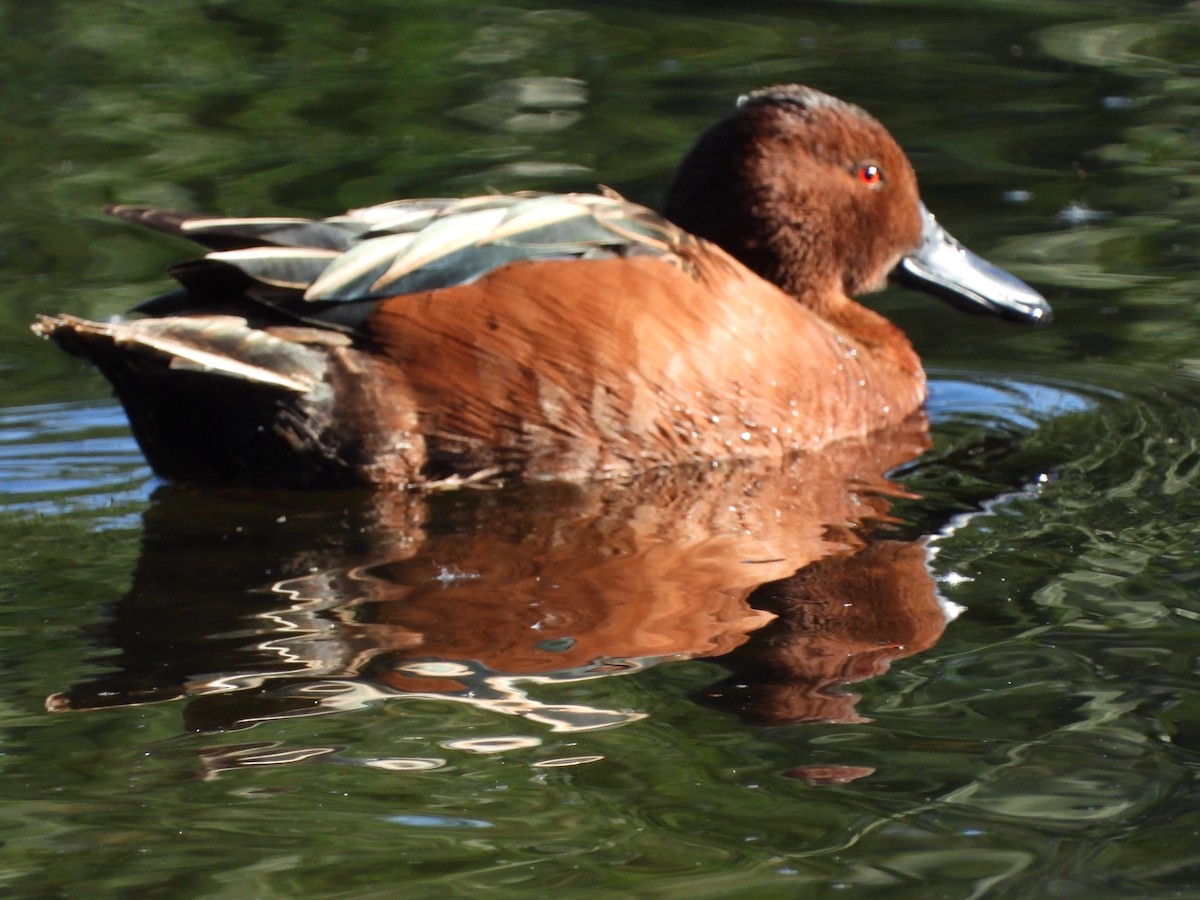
(334, 271)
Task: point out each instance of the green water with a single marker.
(252, 710)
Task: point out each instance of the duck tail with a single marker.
(212, 400)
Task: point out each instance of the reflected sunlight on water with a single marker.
(65, 457)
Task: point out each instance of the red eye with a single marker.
(870, 174)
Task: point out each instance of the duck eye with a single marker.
(870, 174)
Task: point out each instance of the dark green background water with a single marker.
(1048, 745)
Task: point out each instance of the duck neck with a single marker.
(731, 192)
(735, 189)
(875, 333)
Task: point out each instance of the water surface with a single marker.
(982, 684)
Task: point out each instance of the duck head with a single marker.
(814, 194)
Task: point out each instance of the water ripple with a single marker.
(65, 457)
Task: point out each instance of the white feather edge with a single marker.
(253, 254)
(442, 238)
(181, 352)
(356, 263)
(259, 221)
(457, 227)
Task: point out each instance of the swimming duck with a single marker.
(550, 336)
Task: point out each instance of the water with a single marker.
(572, 690)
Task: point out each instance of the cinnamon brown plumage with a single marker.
(550, 336)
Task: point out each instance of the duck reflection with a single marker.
(262, 606)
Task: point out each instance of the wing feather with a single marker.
(306, 268)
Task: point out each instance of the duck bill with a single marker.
(945, 268)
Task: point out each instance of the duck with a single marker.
(534, 336)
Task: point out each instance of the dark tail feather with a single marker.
(226, 233)
(213, 401)
(167, 221)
